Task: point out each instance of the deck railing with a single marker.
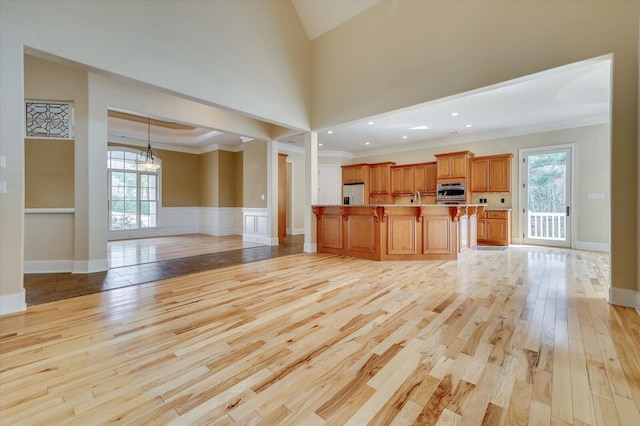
(551, 226)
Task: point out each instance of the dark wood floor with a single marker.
(45, 288)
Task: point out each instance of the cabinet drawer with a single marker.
(491, 214)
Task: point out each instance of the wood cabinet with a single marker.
(491, 174)
(355, 173)
(402, 180)
(494, 227)
(380, 178)
(453, 166)
(425, 178)
(380, 199)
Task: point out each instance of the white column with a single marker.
(272, 191)
(91, 182)
(311, 190)
(12, 295)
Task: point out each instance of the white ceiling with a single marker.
(320, 16)
(195, 140)
(571, 96)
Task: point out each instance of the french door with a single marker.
(546, 196)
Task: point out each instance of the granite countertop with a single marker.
(502, 209)
(404, 205)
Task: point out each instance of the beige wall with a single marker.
(180, 177)
(48, 173)
(50, 164)
(592, 174)
(402, 53)
(227, 179)
(239, 161)
(297, 161)
(255, 174)
(221, 176)
(209, 179)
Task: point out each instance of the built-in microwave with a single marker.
(451, 193)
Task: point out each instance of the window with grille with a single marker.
(133, 192)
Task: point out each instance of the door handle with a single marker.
(568, 210)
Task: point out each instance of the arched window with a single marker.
(134, 192)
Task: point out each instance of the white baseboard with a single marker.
(12, 303)
(258, 239)
(587, 245)
(47, 266)
(624, 297)
(310, 248)
(90, 266)
(296, 231)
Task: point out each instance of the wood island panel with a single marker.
(361, 234)
(438, 235)
(401, 235)
(397, 232)
(332, 231)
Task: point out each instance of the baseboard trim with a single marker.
(588, 245)
(12, 303)
(90, 266)
(257, 239)
(624, 297)
(47, 266)
(297, 231)
(310, 248)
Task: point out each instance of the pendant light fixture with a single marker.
(149, 160)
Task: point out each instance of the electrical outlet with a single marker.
(262, 197)
(502, 200)
(3, 161)
(3, 187)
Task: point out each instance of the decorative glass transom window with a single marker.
(133, 194)
(49, 120)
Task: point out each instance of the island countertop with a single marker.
(404, 205)
(398, 231)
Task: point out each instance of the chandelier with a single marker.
(149, 160)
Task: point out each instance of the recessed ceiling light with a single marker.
(330, 131)
(370, 123)
(319, 144)
(468, 125)
(423, 127)
(405, 137)
(367, 143)
(453, 114)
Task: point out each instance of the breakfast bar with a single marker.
(398, 231)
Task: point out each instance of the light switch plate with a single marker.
(3, 161)
(3, 187)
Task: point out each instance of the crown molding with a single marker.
(287, 147)
(492, 134)
(336, 154)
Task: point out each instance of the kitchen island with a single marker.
(398, 231)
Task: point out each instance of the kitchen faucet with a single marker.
(417, 196)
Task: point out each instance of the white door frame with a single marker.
(573, 222)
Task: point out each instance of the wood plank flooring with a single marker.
(144, 250)
(219, 252)
(523, 336)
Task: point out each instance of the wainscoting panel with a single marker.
(221, 221)
(256, 226)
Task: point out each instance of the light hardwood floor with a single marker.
(522, 336)
(145, 250)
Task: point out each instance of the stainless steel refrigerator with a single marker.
(353, 194)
